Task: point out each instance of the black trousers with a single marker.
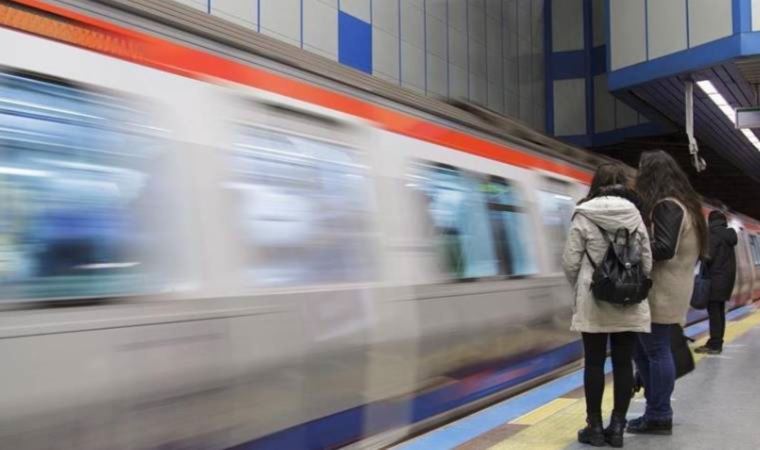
(595, 353)
(717, 313)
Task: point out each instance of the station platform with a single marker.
(715, 406)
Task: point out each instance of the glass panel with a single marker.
(457, 208)
(556, 212)
(73, 171)
(303, 209)
(511, 228)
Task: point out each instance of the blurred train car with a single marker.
(203, 249)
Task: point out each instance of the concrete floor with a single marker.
(717, 407)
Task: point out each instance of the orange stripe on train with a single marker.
(93, 34)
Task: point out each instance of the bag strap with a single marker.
(593, 264)
(604, 236)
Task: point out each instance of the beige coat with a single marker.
(673, 279)
(590, 315)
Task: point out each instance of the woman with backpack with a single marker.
(673, 212)
(606, 214)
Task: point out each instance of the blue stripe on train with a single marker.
(349, 426)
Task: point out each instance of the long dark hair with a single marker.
(606, 176)
(660, 177)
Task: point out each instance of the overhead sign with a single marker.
(748, 117)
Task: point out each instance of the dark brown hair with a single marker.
(606, 175)
(660, 177)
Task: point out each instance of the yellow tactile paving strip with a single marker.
(554, 426)
(544, 412)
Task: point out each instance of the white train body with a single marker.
(288, 269)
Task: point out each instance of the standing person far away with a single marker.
(722, 270)
(609, 208)
(673, 211)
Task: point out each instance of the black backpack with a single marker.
(620, 279)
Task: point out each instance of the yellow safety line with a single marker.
(543, 412)
(555, 425)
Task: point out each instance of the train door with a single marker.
(744, 268)
(299, 214)
(754, 243)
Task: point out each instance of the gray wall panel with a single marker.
(627, 39)
(570, 107)
(667, 27)
(709, 20)
(567, 25)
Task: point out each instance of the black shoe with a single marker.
(648, 426)
(613, 434)
(593, 434)
(708, 350)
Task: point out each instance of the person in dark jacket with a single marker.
(722, 269)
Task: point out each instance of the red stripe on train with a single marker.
(107, 38)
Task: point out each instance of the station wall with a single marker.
(643, 30)
(582, 109)
(487, 51)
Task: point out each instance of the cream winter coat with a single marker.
(610, 213)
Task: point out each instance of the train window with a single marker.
(303, 209)
(73, 173)
(556, 212)
(754, 243)
(510, 227)
(457, 207)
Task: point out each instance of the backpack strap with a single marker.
(593, 264)
(604, 236)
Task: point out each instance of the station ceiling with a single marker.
(733, 163)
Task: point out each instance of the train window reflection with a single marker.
(303, 209)
(556, 211)
(72, 172)
(510, 227)
(457, 208)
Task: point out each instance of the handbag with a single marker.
(683, 359)
(679, 346)
(700, 297)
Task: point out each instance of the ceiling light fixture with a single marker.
(712, 93)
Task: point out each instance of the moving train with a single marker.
(207, 248)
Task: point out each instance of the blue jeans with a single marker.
(654, 361)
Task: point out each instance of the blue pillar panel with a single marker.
(354, 42)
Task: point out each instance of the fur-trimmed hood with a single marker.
(612, 209)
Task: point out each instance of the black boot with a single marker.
(593, 434)
(643, 425)
(613, 434)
